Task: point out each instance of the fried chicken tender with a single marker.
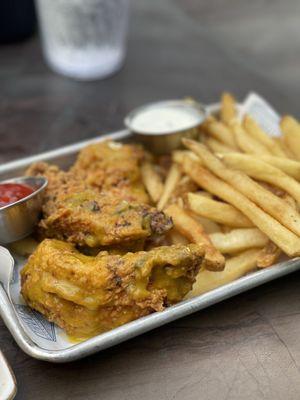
(113, 167)
(94, 219)
(100, 201)
(106, 167)
(88, 295)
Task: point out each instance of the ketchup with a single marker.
(12, 192)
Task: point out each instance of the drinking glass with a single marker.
(84, 39)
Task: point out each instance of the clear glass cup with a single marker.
(84, 39)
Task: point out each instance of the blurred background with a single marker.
(175, 48)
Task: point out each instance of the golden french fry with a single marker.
(255, 131)
(220, 132)
(238, 240)
(290, 167)
(210, 118)
(282, 144)
(290, 200)
(246, 142)
(204, 194)
(172, 180)
(216, 146)
(226, 229)
(152, 181)
(209, 226)
(176, 238)
(279, 234)
(185, 185)
(178, 155)
(235, 268)
(228, 107)
(217, 211)
(273, 189)
(193, 231)
(270, 203)
(268, 255)
(258, 169)
(179, 201)
(291, 134)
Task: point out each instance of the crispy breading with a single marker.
(101, 200)
(113, 167)
(95, 219)
(87, 295)
(60, 183)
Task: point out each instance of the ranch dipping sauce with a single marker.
(161, 126)
(165, 119)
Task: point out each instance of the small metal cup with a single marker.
(17, 220)
(167, 141)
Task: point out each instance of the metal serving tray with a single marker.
(64, 157)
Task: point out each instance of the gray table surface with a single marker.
(244, 348)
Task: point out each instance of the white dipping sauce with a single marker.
(165, 119)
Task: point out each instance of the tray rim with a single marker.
(141, 325)
(60, 151)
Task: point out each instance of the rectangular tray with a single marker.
(64, 157)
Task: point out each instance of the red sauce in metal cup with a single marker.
(12, 192)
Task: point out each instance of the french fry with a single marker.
(216, 146)
(217, 211)
(152, 181)
(210, 118)
(204, 194)
(228, 107)
(176, 238)
(291, 134)
(268, 255)
(258, 169)
(270, 203)
(290, 167)
(280, 235)
(238, 240)
(226, 229)
(290, 200)
(281, 142)
(172, 180)
(255, 131)
(219, 131)
(178, 155)
(185, 185)
(194, 231)
(209, 226)
(246, 142)
(273, 189)
(235, 268)
(179, 201)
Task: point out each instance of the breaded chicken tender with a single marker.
(94, 219)
(100, 201)
(88, 295)
(113, 167)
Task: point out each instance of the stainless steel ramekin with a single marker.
(18, 219)
(162, 143)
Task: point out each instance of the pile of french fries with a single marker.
(235, 191)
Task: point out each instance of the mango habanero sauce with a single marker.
(12, 192)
